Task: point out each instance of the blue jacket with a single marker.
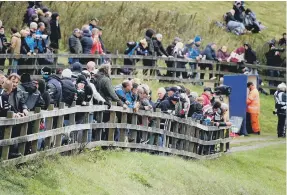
(209, 52)
(41, 43)
(31, 43)
(87, 42)
(125, 96)
(193, 51)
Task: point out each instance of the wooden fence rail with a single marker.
(166, 133)
(215, 72)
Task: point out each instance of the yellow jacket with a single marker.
(253, 102)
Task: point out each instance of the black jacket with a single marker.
(69, 91)
(17, 101)
(158, 47)
(239, 13)
(4, 103)
(3, 40)
(149, 40)
(32, 96)
(166, 105)
(104, 86)
(54, 87)
(272, 59)
(87, 42)
(55, 32)
(158, 103)
(250, 55)
(195, 107)
(75, 45)
(24, 46)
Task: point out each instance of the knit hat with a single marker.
(46, 71)
(197, 38)
(81, 79)
(25, 78)
(34, 25)
(77, 67)
(67, 73)
(240, 50)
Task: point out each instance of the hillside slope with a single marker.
(102, 172)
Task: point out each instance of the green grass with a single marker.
(102, 172)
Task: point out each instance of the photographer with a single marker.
(280, 109)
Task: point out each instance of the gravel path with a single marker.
(254, 147)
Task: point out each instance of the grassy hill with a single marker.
(102, 172)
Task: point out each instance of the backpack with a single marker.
(223, 90)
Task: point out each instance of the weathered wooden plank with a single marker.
(49, 125)
(23, 132)
(123, 136)
(7, 135)
(112, 120)
(60, 123)
(36, 129)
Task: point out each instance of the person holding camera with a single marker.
(280, 109)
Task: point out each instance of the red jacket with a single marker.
(97, 47)
(206, 100)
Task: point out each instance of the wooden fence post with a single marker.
(112, 120)
(72, 121)
(145, 124)
(60, 123)
(98, 133)
(123, 136)
(85, 131)
(23, 132)
(36, 129)
(49, 126)
(7, 135)
(175, 130)
(134, 122)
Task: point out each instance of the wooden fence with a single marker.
(115, 58)
(183, 137)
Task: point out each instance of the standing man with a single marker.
(280, 105)
(253, 109)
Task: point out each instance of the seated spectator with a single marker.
(234, 25)
(158, 47)
(251, 22)
(69, 89)
(104, 85)
(239, 11)
(97, 46)
(223, 56)
(282, 41)
(237, 56)
(75, 45)
(15, 48)
(209, 54)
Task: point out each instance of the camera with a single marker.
(278, 49)
(274, 112)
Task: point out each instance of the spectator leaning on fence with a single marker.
(158, 47)
(69, 90)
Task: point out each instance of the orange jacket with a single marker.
(253, 102)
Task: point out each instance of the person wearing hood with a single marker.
(3, 44)
(210, 54)
(76, 69)
(15, 48)
(41, 85)
(29, 12)
(280, 109)
(75, 45)
(32, 96)
(104, 85)
(234, 25)
(273, 59)
(150, 49)
(55, 31)
(54, 85)
(249, 55)
(87, 44)
(69, 89)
